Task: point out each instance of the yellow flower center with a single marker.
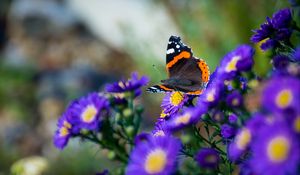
(211, 159)
(184, 119)
(284, 98)
(297, 124)
(159, 133)
(176, 98)
(235, 102)
(278, 149)
(89, 114)
(210, 96)
(231, 66)
(63, 131)
(243, 138)
(156, 161)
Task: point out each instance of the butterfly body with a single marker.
(187, 73)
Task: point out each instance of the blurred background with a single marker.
(52, 51)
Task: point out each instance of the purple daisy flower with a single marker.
(88, 110)
(234, 99)
(280, 62)
(227, 131)
(156, 156)
(132, 85)
(281, 94)
(188, 117)
(244, 137)
(240, 59)
(212, 93)
(218, 116)
(282, 18)
(232, 118)
(275, 152)
(207, 158)
(172, 102)
(274, 30)
(63, 132)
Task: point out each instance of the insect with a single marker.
(187, 73)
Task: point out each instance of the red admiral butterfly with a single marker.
(187, 73)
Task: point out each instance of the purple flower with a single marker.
(296, 55)
(218, 116)
(156, 156)
(282, 18)
(172, 102)
(232, 118)
(234, 99)
(132, 85)
(207, 158)
(227, 131)
(212, 94)
(274, 30)
(86, 112)
(280, 62)
(188, 117)
(245, 136)
(63, 132)
(281, 94)
(240, 59)
(275, 150)
(161, 129)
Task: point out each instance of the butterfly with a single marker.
(187, 74)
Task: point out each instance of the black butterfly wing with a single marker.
(186, 73)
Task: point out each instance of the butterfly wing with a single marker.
(186, 73)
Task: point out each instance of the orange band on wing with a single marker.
(198, 92)
(183, 54)
(205, 71)
(165, 88)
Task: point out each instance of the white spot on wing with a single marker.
(177, 46)
(169, 51)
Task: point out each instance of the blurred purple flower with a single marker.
(218, 116)
(207, 158)
(227, 131)
(282, 94)
(240, 59)
(86, 112)
(172, 103)
(156, 156)
(212, 94)
(274, 30)
(187, 117)
(132, 85)
(232, 118)
(275, 150)
(280, 62)
(245, 136)
(234, 99)
(282, 18)
(161, 129)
